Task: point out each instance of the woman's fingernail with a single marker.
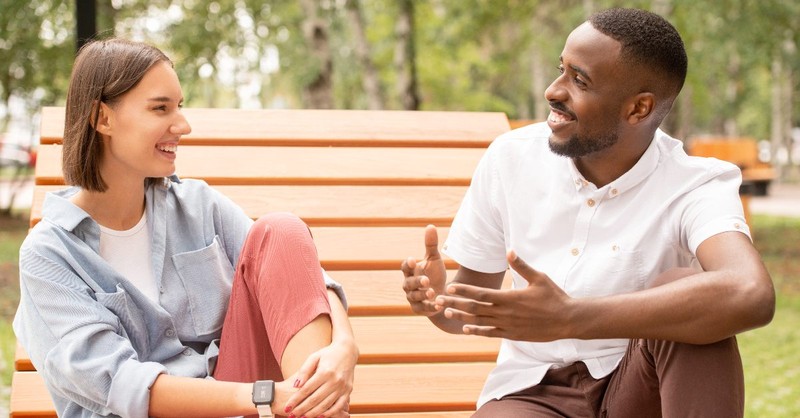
(287, 409)
(297, 383)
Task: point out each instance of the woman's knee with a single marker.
(282, 223)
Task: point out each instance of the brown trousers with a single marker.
(654, 379)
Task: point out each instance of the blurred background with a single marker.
(739, 102)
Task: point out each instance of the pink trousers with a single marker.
(277, 290)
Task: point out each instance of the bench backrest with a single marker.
(366, 182)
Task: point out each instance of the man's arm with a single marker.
(734, 293)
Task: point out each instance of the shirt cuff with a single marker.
(126, 396)
(336, 287)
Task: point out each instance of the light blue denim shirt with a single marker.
(98, 342)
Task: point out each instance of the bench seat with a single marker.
(367, 183)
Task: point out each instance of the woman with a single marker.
(127, 281)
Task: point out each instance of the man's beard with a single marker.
(577, 146)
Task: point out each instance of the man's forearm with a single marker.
(701, 308)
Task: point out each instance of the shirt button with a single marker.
(170, 333)
(737, 226)
(590, 202)
(187, 352)
(614, 192)
(575, 251)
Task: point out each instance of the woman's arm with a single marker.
(325, 377)
(323, 352)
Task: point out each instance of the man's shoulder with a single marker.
(529, 136)
(678, 159)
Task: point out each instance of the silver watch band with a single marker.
(264, 411)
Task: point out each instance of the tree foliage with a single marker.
(495, 55)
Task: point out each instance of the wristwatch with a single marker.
(263, 395)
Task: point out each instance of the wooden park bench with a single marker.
(367, 182)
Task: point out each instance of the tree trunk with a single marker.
(370, 80)
(106, 18)
(319, 93)
(405, 59)
(732, 90)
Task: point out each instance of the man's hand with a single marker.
(538, 312)
(426, 279)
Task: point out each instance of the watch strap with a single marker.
(264, 411)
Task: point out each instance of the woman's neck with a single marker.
(120, 207)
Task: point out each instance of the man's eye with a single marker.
(560, 69)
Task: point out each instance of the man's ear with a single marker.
(641, 106)
(104, 115)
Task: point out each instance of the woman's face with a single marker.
(142, 128)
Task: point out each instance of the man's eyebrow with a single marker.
(577, 69)
(581, 72)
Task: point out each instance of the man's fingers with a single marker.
(411, 283)
(471, 307)
(415, 296)
(408, 266)
(482, 331)
(431, 242)
(477, 293)
(520, 266)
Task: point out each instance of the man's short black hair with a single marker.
(647, 39)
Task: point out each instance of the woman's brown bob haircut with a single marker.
(104, 70)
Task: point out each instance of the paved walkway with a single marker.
(782, 200)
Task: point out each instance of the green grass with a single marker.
(770, 354)
(772, 363)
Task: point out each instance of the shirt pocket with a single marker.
(206, 275)
(621, 271)
(131, 318)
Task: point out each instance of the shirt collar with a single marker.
(641, 170)
(59, 210)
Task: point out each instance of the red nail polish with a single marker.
(292, 416)
(287, 409)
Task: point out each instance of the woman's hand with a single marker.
(325, 382)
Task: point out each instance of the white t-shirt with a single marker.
(129, 253)
(589, 241)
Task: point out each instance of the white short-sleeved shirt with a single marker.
(589, 241)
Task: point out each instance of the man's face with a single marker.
(586, 99)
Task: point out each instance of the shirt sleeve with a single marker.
(713, 208)
(336, 287)
(476, 239)
(77, 343)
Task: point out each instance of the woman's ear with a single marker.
(104, 115)
(641, 107)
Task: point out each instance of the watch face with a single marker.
(263, 392)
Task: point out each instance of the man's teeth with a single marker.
(168, 148)
(558, 117)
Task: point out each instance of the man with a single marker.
(640, 269)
